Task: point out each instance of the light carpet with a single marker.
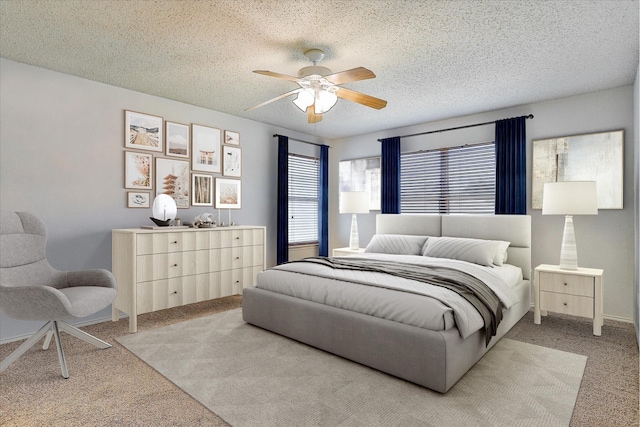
(252, 377)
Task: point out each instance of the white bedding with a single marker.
(417, 304)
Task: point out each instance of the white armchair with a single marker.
(30, 289)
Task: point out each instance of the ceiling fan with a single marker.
(319, 88)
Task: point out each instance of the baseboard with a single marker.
(77, 325)
(617, 319)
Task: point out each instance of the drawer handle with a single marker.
(565, 303)
(175, 242)
(237, 257)
(565, 284)
(237, 281)
(175, 265)
(237, 238)
(174, 292)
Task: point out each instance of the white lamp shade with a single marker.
(570, 198)
(164, 207)
(304, 99)
(324, 101)
(354, 202)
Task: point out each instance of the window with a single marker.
(449, 180)
(304, 180)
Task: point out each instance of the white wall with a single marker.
(605, 241)
(62, 155)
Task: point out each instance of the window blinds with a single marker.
(449, 180)
(304, 178)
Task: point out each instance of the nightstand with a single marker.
(347, 251)
(576, 292)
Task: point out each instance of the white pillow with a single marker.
(477, 251)
(501, 253)
(397, 244)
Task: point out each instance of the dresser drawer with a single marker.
(168, 293)
(566, 304)
(165, 266)
(567, 284)
(158, 243)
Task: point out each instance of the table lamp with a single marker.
(569, 198)
(354, 202)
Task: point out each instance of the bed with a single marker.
(381, 327)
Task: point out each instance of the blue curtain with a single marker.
(391, 175)
(323, 206)
(282, 245)
(511, 166)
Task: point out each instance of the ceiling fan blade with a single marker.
(313, 117)
(284, 95)
(352, 75)
(361, 98)
(278, 75)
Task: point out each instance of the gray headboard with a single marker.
(512, 228)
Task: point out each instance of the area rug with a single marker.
(252, 377)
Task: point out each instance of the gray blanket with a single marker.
(473, 290)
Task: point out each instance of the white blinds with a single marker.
(304, 179)
(449, 180)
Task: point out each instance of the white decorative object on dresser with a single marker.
(167, 267)
(347, 251)
(576, 292)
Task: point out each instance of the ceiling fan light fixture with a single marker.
(325, 100)
(304, 99)
(319, 86)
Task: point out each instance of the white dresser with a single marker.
(169, 267)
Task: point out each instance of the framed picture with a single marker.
(201, 190)
(595, 157)
(138, 199)
(231, 161)
(142, 131)
(205, 149)
(138, 170)
(232, 138)
(172, 178)
(362, 175)
(177, 139)
(228, 193)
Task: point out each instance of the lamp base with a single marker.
(569, 251)
(354, 242)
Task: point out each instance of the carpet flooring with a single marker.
(254, 378)
(113, 387)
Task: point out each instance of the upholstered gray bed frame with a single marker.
(434, 359)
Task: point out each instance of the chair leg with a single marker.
(63, 362)
(30, 342)
(47, 340)
(72, 330)
(52, 330)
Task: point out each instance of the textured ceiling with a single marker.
(433, 59)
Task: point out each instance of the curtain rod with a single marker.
(530, 116)
(300, 140)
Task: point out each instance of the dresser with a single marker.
(169, 267)
(575, 292)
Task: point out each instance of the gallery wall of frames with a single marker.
(194, 164)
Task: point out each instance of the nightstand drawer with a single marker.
(346, 251)
(567, 284)
(566, 304)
